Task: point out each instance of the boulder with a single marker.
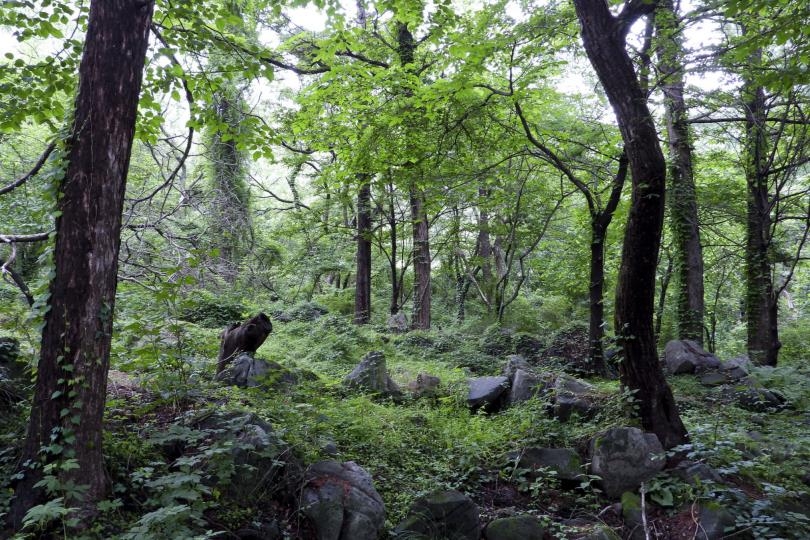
(371, 375)
(624, 458)
(695, 472)
(565, 462)
(713, 520)
(256, 451)
(398, 323)
(754, 397)
(425, 385)
(487, 392)
(686, 356)
(515, 528)
(247, 372)
(737, 368)
(515, 362)
(341, 502)
(632, 517)
(713, 378)
(572, 396)
(441, 514)
(525, 385)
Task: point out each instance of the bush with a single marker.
(211, 311)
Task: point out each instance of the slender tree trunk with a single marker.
(683, 200)
(604, 38)
(421, 262)
(396, 285)
(362, 291)
(485, 247)
(596, 324)
(760, 301)
(70, 391)
(662, 297)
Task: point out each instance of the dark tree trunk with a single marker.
(71, 380)
(596, 323)
(396, 283)
(421, 262)
(485, 247)
(683, 200)
(760, 301)
(604, 39)
(662, 297)
(362, 291)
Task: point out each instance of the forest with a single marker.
(406, 269)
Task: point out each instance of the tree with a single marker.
(65, 428)
(681, 189)
(362, 291)
(603, 36)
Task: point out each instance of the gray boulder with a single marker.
(686, 356)
(624, 458)
(695, 472)
(713, 521)
(565, 462)
(737, 368)
(255, 448)
(246, 372)
(515, 362)
(752, 396)
(487, 392)
(398, 323)
(371, 375)
(525, 385)
(441, 514)
(515, 528)
(572, 396)
(425, 385)
(341, 502)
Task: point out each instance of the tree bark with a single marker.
(421, 262)
(396, 282)
(761, 305)
(71, 383)
(603, 36)
(683, 200)
(362, 291)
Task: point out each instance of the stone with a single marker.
(425, 385)
(441, 514)
(632, 517)
(752, 396)
(525, 385)
(713, 519)
(737, 368)
(624, 458)
(515, 528)
(695, 472)
(565, 462)
(515, 362)
(245, 371)
(341, 502)
(398, 323)
(686, 356)
(487, 392)
(572, 396)
(713, 378)
(256, 451)
(371, 375)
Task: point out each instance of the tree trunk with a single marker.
(421, 262)
(485, 247)
(604, 38)
(596, 324)
(760, 302)
(71, 383)
(362, 291)
(683, 200)
(396, 284)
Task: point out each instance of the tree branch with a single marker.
(30, 174)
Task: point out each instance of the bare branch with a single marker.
(30, 174)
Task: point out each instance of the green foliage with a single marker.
(211, 311)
